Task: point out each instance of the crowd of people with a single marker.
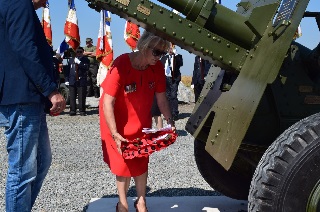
(80, 75)
(140, 81)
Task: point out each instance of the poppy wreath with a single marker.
(147, 144)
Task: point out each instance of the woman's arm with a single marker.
(108, 111)
(164, 107)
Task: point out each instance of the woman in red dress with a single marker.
(125, 109)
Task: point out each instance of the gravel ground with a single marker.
(78, 172)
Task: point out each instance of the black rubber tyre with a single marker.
(64, 90)
(289, 171)
(230, 183)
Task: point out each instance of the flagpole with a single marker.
(42, 18)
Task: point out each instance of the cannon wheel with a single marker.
(288, 175)
(230, 183)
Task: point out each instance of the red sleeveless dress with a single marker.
(134, 92)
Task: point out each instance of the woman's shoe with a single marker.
(117, 207)
(135, 205)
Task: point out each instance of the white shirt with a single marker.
(168, 66)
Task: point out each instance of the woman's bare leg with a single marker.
(141, 186)
(123, 184)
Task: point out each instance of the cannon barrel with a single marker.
(215, 18)
(210, 30)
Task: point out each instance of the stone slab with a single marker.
(175, 204)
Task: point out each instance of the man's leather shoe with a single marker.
(83, 114)
(72, 113)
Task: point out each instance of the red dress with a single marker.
(134, 92)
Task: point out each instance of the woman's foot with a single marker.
(140, 206)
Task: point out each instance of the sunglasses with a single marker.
(80, 52)
(157, 53)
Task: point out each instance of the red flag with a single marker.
(131, 34)
(71, 29)
(104, 51)
(46, 23)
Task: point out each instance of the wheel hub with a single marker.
(314, 199)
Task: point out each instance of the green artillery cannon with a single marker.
(255, 125)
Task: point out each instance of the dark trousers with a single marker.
(197, 90)
(92, 87)
(81, 91)
(155, 111)
(172, 95)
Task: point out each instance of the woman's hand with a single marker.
(118, 139)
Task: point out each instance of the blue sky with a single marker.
(88, 21)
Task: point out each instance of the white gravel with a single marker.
(78, 172)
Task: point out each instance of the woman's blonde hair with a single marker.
(148, 39)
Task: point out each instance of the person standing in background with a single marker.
(56, 63)
(90, 52)
(200, 71)
(172, 63)
(28, 89)
(77, 81)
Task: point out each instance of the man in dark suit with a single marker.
(77, 81)
(200, 71)
(26, 84)
(172, 63)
